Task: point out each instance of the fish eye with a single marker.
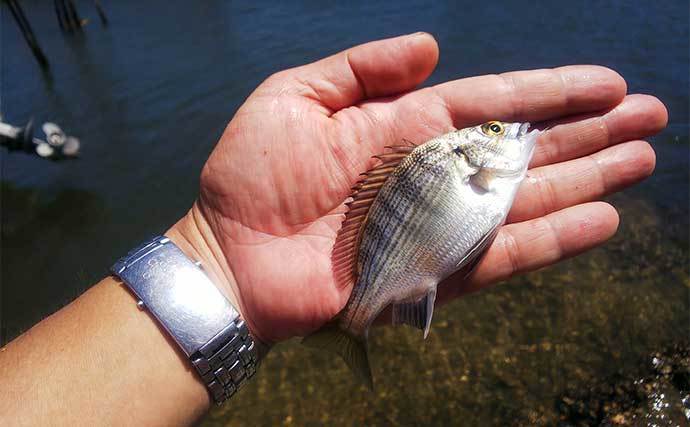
(493, 128)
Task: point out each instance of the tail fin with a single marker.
(352, 349)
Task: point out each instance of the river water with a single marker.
(149, 96)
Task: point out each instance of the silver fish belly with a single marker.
(423, 214)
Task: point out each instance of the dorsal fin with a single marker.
(344, 255)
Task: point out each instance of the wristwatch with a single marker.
(205, 325)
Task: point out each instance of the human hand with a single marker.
(272, 191)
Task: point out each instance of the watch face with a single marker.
(179, 294)
(194, 312)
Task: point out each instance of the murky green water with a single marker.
(566, 344)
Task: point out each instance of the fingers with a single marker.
(550, 188)
(532, 95)
(516, 96)
(384, 67)
(533, 244)
(637, 116)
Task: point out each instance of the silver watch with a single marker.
(208, 329)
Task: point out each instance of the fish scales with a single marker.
(387, 213)
(437, 211)
(411, 197)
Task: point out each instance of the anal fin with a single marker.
(416, 312)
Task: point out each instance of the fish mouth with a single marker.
(528, 141)
(527, 136)
(525, 133)
(522, 132)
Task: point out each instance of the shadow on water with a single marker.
(30, 231)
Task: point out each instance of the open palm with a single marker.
(272, 192)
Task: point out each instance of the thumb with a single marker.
(379, 68)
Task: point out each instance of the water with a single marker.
(150, 95)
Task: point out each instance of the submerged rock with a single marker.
(660, 396)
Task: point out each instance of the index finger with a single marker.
(533, 96)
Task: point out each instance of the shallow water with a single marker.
(150, 95)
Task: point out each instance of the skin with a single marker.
(270, 206)
(272, 190)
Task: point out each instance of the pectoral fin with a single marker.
(470, 261)
(417, 312)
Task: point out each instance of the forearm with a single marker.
(98, 361)
(102, 361)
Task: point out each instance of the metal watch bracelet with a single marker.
(208, 329)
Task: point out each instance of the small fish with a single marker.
(423, 213)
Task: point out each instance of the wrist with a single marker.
(194, 236)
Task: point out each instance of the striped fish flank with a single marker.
(423, 213)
